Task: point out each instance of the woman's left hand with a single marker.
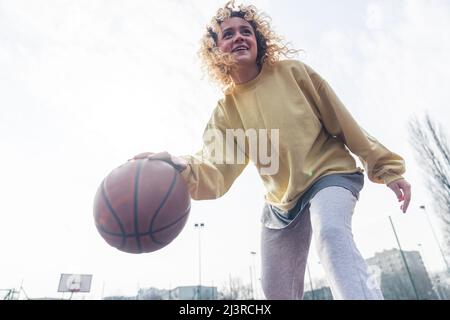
(402, 190)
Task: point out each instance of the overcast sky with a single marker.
(86, 84)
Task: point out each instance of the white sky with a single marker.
(86, 84)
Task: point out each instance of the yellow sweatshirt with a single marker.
(315, 134)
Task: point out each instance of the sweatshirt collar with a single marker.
(252, 83)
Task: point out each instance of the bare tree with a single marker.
(433, 154)
(236, 290)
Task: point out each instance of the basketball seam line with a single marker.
(114, 213)
(135, 208)
(163, 202)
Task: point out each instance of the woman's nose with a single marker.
(238, 38)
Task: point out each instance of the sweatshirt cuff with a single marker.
(389, 178)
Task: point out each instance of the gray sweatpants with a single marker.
(285, 251)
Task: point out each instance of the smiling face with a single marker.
(237, 37)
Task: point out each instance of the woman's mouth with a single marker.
(240, 48)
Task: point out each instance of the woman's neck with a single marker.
(245, 73)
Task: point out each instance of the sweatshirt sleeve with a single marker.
(211, 171)
(382, 165)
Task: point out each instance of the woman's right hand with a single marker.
(179, 163)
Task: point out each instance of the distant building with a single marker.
(120, 298)
(323, 293)
(179, 293)
(441, 285)
(194, 293)
(152, 294)
(393, 277)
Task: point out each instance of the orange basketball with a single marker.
(141, 206)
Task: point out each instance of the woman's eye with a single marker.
(227, 35)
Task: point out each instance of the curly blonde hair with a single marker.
(218, 65)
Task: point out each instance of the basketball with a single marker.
(141, 206)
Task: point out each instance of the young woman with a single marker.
(315, 183)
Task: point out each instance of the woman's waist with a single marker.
(285, 194)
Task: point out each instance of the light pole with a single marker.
(199, 292)
(251, 283)
(435, 238)
(253, 274)
(404, 260)
(419, 245)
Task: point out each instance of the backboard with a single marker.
(75, 283)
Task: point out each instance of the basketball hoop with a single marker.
(74, 283)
